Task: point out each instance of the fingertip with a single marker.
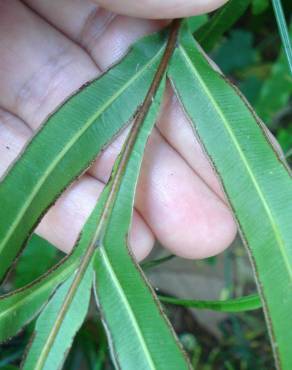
(209, 238)
(186, 216)
(141, 238)
(156, 9)
(63, 223)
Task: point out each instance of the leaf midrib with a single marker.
(245, 162)
(130, 312)
(68, 146)
(31, 294)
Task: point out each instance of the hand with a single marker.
(48, 50)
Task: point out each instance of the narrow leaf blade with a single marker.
(283, 29)
(38, 357)
(256, 180)
(122, 293)
(242, 304)
(209, 34)
(85, 124)
(19, 307)
(128, 309)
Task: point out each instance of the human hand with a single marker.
(48, 50)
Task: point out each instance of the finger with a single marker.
(95, 28)
(161, 9)
(14, 134)
(39, 67)
(175, 127)
(63, 223)
(184, 214)
(188, 247)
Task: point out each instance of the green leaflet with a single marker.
(242, 304)
(38, 357)
(128, 308)
(197, 21)
(256, 181)
(153, 263)
(127, 303)
(85, 124)
(80, 261)
(209, 34)
(19, 307)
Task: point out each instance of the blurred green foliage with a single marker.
(236, 52)
(36, 259)
(259, 6)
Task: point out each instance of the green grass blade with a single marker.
(46, 352)
(257, 183)
(276, 90)
(150, 264)
(85, 124)
(211, 32)
(242, 304)
(283, 29)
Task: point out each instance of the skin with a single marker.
(48, 50)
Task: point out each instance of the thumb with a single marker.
(157, 9)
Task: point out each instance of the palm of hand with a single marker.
(47, 52)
